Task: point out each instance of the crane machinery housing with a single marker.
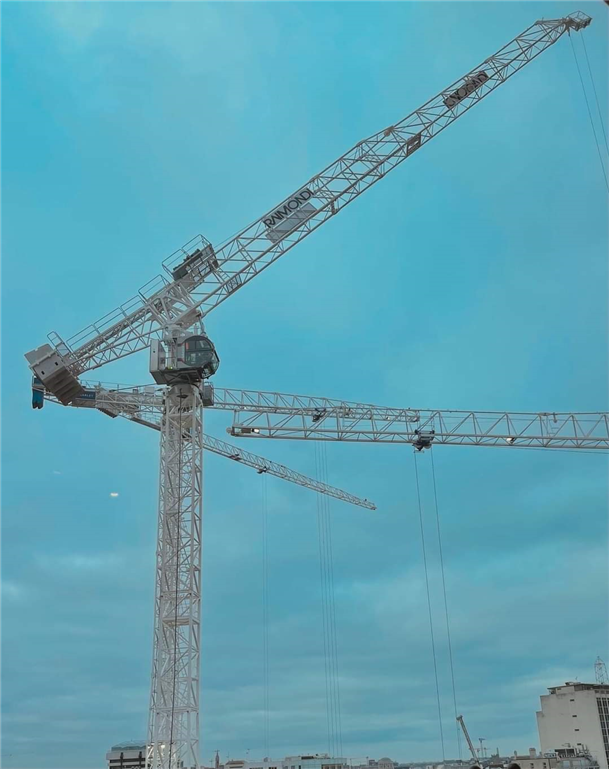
(167, 317)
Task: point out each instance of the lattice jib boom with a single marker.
(207, 276)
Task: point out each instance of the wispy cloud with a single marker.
(81, 562)
(12, 591)
(78, 23)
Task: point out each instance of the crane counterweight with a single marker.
(50, 367)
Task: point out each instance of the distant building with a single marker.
(574, 719)
(308, 761)
(532, 760)
(552, 760)
(127, 755)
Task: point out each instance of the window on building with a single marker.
(603, 714)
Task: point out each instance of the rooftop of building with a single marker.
(578, 686)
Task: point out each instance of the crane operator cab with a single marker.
(184, 357)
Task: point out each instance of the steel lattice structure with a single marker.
(325, 420)
(199, 278)
(174, 698)
(302, 417)
(220, 272)
(145, 406)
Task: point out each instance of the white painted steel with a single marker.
(201, 278)
(173, 729)
(285, 415)
(144, 406)
(214, 275)
(299, 417)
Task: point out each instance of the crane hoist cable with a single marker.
(328, 597)
(598, 106)
(265, 614)
(431, 630)
(448, 633)
(324, 455)
(326, 614)
(324, 619)
(598, 146)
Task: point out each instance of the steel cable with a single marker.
(265, 614)
(323, 582)
(448, 634)
(332, 606)
(431, 632)
(598, 106)
(598, 147)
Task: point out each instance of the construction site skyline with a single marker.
(383, 589)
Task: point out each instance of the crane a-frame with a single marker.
(167, 316)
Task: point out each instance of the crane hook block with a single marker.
(423, 439)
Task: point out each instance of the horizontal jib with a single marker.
(288, 208)
(470, 84)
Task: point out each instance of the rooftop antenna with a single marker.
(600, 672)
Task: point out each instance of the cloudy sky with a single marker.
(474, 276)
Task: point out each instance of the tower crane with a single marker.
(167, 317)
(468, 739)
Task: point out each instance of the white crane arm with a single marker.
(144, 405)
(301, 417)
(201, 277)
(277, 415)
(470, 744)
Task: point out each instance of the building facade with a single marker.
(127, 755)
(567, 758)
(574, 718)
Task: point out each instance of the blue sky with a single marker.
(474, 276)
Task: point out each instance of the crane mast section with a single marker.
(206, 277)
(173, 727)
